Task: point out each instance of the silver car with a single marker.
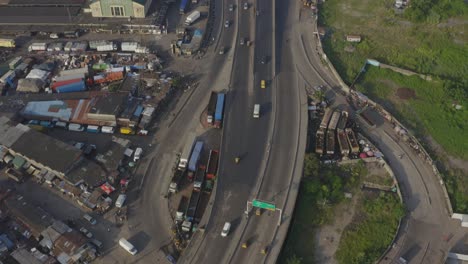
(226, 24)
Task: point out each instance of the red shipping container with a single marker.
(58, 84)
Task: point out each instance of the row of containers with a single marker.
(81, 46)
(42, 125)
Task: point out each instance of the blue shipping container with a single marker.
(219, 107)
(72, 87)
(138, 111)
(183, 6)
(195, 157)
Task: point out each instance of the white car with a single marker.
(226, 228)
(246, 6)
(226, 24)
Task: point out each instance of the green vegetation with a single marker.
(323, 187)
(429, 112)
(372, 229)
(429, 38)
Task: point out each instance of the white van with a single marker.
(120, 200)
(61, 124)
(256, 112)
(137, 155)
(226, 228)
(128, 246)
(107, 129)
(76, 127)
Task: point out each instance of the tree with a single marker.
(311, 165)
(294, 260)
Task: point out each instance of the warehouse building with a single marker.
(120, 8)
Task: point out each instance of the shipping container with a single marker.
(129, 46)
(15, 62)
(93, 129)
(76, 127)
(211, 108)
(7, 43)
(62, 83)
(83, 70)
(183, 6)
(219, 110)
(195, 157)
(69, 77)
(72, 87)
(68, 46)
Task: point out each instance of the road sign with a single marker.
(264, 205)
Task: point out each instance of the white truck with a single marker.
(185, 155)
(128, 246)
(256, 112)
(192, 18)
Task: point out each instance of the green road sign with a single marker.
(264, 205)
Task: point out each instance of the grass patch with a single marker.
(322, 189)
(430, 112)
(372, 229)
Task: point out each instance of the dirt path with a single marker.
(328, 237)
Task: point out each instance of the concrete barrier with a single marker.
(463, 218)
(457, 256)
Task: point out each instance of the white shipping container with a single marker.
(74, 71)
(106, 47)
(69, 77)
(107, 129)
(129, 46)
(68, 46)
(142, 49)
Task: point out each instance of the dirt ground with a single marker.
(327, 237)
(405, 93)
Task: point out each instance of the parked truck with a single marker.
(183, 6)
(211, 108)
(181, 209)
(15, 175)
(192, 18)
(219, 110)
(352, 140)
(334, 120)
(343, 120)
(326, 119)
(319, 141)
(330, 142)
(194, 158)
(191, 210)
(185, 155)
(174, 185)
(343, 142)
(212, 165)
(199, 177)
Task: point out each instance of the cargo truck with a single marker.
(192, 18)
(15, 175)
(352, 140)
(343, 120)
(219, 110)
(181, 209)
(211, 108)
(319, 141)
(185, 155)
(212, 165)
(183, 6)
(191, 210)
(326, 118)
(330, 142)
(194, 158)
(199, 177)
(334, 120)
(343, 142)
(126, 130)
(174, 185)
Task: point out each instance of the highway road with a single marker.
(243, 136)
